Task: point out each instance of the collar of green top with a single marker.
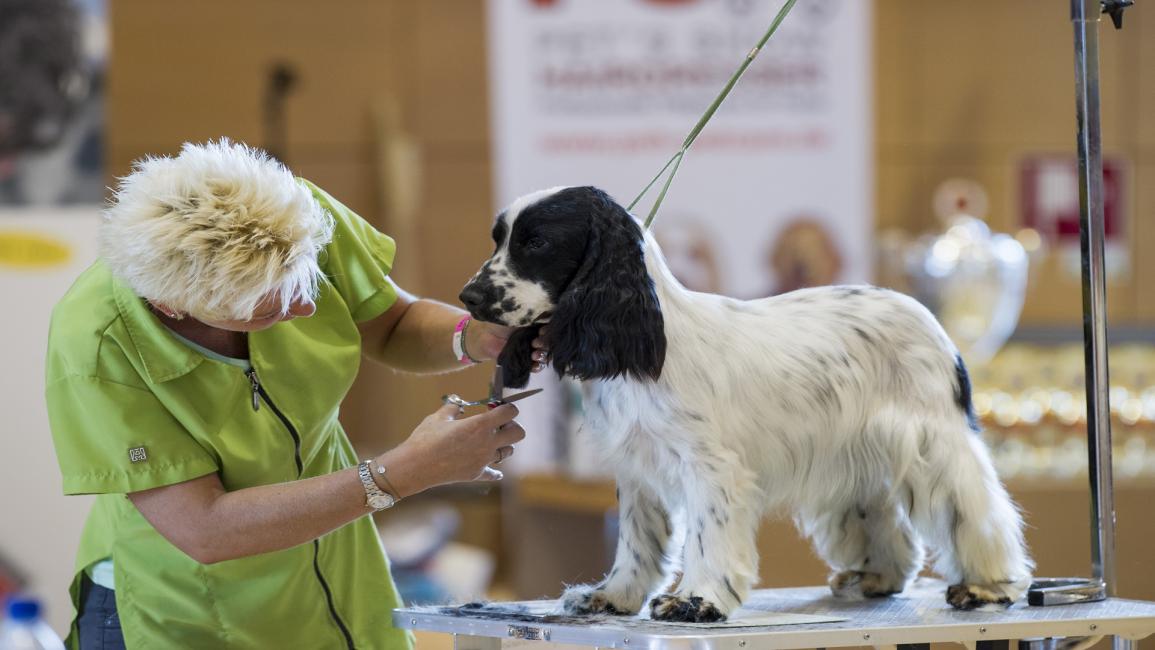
(163, 356)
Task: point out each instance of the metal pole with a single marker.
(1101, 585)
(1085, 16)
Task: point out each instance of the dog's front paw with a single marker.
(584, 600)
(681, 609)
(968, 597)
(856, 585)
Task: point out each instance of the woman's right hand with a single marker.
(450, 448)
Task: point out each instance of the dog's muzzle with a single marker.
(480, 298)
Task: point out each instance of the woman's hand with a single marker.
(449, 448)
(540, 354)
(485, 341)
(489, 340)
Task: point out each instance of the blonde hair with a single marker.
(214, 231)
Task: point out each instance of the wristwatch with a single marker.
(375, 497)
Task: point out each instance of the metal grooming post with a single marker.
(1085, 17)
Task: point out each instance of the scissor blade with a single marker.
(520, 396)
(497, 384)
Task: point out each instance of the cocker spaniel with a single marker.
(846, 406)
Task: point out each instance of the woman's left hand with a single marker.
(485, 341)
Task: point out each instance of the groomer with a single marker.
(194, 376)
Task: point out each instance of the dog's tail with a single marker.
(962, 393)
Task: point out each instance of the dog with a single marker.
(847, 406)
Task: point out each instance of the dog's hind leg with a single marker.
(643, 534)
(871, 547)
(976, 528)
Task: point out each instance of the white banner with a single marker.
(776, 192)
(602, 92)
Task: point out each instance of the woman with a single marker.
(194, 376)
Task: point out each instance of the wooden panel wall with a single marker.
(967, 88)
(963, 88)
(195, 71)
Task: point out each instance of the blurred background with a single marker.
(925, 146)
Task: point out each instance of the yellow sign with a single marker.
(30, 250)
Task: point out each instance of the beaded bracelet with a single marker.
(459, 350)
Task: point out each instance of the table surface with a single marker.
(919, 615)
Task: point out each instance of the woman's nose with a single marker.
(302, 309)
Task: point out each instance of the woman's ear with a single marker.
(515, 359)
(608, 321)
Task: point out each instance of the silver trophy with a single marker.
(973, 280)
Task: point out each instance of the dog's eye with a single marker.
(535, 244)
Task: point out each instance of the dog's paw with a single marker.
(584, 600)
(968, 597)
(680, 609)
(857, 585)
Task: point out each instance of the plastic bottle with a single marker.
(23, 629)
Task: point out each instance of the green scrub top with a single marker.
(133, 408)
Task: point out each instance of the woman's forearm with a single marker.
(416, 335)
(212, 525)
(422, 341)
(276, 517)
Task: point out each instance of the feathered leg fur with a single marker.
(967, 515)
(871, 546)
(643, 537)
(719, 552)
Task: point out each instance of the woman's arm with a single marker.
(211, 524)
(416, 335)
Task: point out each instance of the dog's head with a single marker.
(574, 258)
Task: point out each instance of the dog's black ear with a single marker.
(608, 322)
(515, 357)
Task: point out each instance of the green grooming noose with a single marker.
(676, 160)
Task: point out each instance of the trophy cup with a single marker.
(973, 280)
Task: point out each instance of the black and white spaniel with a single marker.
(846, 406)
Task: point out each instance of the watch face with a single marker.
(381, 502)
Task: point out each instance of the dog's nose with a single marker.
(471, 296)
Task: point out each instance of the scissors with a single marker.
(495, 398)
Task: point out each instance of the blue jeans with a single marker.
(98, 624)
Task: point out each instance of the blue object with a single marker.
(23, 629)
(23, 609)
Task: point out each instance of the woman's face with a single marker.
(267, 313)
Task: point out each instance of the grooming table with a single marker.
(909, 621)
